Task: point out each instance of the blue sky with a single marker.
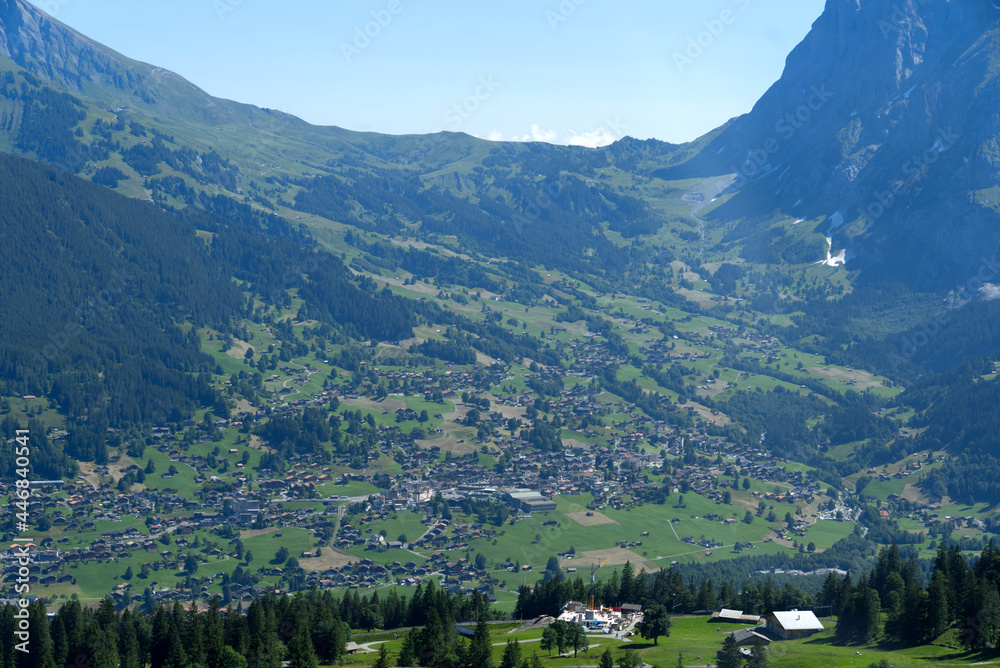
(565, 71)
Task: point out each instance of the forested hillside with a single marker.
(104, 293)
(314, 383)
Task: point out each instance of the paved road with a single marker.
(297, 391)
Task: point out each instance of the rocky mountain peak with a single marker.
(885, 127)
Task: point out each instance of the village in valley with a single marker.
(591, 436)
(472, 474)
(378, 466)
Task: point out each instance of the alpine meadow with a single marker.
(276, 394)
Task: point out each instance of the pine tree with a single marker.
(431, 600)
(730, 656)
(128, 642)
(300, 648)
(193, 645)
(869, 609)
(893, 599)
(481, 650)
(938, 615)
(408, 653)
(706, 595)
(640, 587)
(341, 635)
(432, 639)
(830, 594)
(213, 636)
(913, 621)
(758, 657)
(625, 591)
(236, 631)
(59, 641)
(414, 614)
(175, 656)
(383, 657)
(607, 661)
(264, 647)
(160, 644)
(40, 639)
(629, 659)
(102, 648)
(511, 655)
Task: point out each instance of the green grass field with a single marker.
(265, 545)
(694, 641)
(827, 532)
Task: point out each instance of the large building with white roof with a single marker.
(792, 624)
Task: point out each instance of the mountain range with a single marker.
(854, 212)
(881, 134)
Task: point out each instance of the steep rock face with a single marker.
(886, 121)
(56, 53)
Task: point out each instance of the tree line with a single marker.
(667, 588)
(307, 629)
(892, 602)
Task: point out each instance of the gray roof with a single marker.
(749, 635)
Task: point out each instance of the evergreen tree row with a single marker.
(667, 588)
(307, 629)
(892, 602)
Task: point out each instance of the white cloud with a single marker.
(990, 292)
(593, 139)
(538, 134)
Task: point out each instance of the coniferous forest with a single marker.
(308, 629)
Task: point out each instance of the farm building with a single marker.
(792, 624)
(734, 617)
(746, 637)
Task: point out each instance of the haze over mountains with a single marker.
(882, 128)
